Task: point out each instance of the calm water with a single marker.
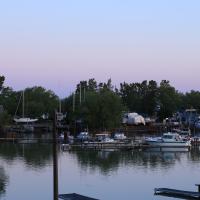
(26, 173)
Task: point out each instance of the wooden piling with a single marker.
(55, 159)
(198, 185)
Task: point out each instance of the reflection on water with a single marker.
(33, 155)
(3, 181)
(132, 171)
(108, 161)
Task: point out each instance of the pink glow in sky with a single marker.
(56, 45)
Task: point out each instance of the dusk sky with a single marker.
(57, 43)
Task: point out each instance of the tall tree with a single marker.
(101, 108)
(38, 101)
(2, 79)
(192, 99)
(168, 99)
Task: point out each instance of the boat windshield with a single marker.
(168, 136)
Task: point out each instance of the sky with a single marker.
(58, 43)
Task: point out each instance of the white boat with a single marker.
(25, 123)
(133, 119)
(168, 140)
(83, 136)
(25, 120)
(119, 136)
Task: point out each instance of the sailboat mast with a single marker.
(74, 101)
(80, 94)
(23, 103)
(60, 105)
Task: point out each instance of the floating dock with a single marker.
(74, 196)
(109, 145)
(177, 193)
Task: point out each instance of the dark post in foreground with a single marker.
(55, 158)
(198, 185)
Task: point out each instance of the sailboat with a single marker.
(26, 121)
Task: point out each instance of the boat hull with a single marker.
(169, 144)
(25, 120)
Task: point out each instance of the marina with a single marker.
(99, 100)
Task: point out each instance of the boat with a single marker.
(119, 136)
(25, 123)
(25, 120)
(168, 140)
(83, 136)
(133, 119)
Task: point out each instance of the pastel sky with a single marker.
(57, 43)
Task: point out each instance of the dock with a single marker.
(109, 145)
(74, 196)
(26, 140)
(177, 193)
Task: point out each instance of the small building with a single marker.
(188, 117)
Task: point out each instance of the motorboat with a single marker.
(83, 136)
(25, 120)
(168, 140)
(119, 136)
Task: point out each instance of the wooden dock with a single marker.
(74, 196)
(26, 140)
(108, 145)
(177, 193)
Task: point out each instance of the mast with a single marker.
(80, 94)
(60, 105)
(74, 101)
(23, 104)
(84, 93)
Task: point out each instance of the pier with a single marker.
(177, 193)
(109, 145)
(74, 196)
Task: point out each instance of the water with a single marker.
(26, 172)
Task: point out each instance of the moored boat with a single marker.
(168, 140)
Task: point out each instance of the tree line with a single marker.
(100, 105)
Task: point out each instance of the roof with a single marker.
(74, 196)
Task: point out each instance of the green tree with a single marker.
(101, 107)
(169, 99)
(192, 100)
(140, 97)
(38, 101)
(2, 79)
(5, 99)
